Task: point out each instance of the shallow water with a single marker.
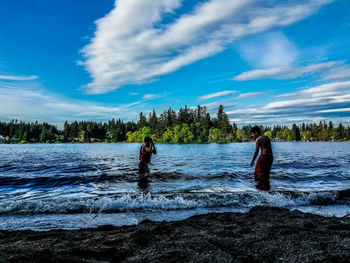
(84, 185)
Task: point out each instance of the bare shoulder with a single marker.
(259, 139)
(264, 139)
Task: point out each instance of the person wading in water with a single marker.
(263, 166)
(146, 151)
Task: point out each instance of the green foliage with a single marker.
(306, 135)
(214, 135)
(139, 135)
(268, 134)
(177, 130)
(81, 135)
(24, 136)
(286, 134)
(185, 126)
(185, 135)
(241, 136)
(168, 136)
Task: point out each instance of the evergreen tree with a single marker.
(153, 121)
(66, 130)
(295, 133)
(185, 126)
(142, 121)
(340, 132)
(223, 123)
(330, 126)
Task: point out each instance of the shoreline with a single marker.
(262, 234)
(27, 143)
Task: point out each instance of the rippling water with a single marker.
(84, 185)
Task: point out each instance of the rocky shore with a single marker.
(260, 235)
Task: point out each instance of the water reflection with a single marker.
(144, 184)
(263, 184)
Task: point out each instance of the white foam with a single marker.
(147, 202)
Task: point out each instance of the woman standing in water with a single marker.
(146, 151)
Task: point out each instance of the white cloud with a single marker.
(32, 103)
(132, 44)
(335, 110)
(338, 73)
(249, 95)
(236, 120)
(11, 77)
(150, 96)
(217, 94)
(212, 107)
(133, 93)
(269, 50)
(308, 104)
(243, 111)
(324, 90)
(331, 70)
(286, 72)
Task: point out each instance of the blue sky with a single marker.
(267, 62)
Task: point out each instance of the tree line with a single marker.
(188, 125)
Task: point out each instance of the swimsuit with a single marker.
(263, 167)
(145, 159)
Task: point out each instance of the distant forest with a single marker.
(185, 126)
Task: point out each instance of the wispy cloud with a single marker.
(213, 107)
(217, 94)
(33, 103)
(286, 72)
(324, 90)
(335, 110)
(150, 96)
(331, 70)
(274, 49)
(133, 44)
(12, 77)
(307, 104)
(249, 95)
(338, 73)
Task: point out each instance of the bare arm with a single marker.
(257, 146)
(151, 149)
(154, 149)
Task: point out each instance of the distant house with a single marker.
(33, 140)
(95, 140)
(13, 140)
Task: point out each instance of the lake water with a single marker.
(73, 186)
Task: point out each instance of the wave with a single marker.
(52, 181)
(164, 202)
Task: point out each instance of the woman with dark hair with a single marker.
(146, 151)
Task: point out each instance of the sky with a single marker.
(267, 62)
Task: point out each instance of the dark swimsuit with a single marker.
(144, 156)
(145, 159)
